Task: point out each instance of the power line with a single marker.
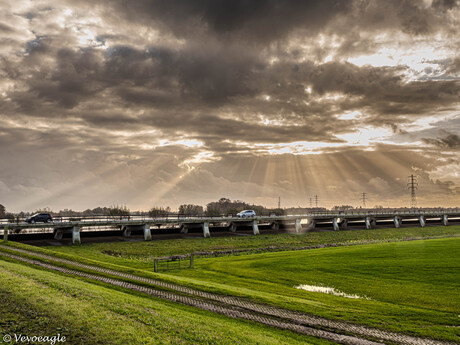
(363, 198)
(412, 185)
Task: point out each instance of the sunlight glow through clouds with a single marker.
(367, 136)
(191, 143)
(202, 157)
(429, 122)
(184, 142)
(353, 115)
(419, 60)
(330, 96)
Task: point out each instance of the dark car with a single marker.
(40, 218)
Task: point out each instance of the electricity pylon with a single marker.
(363, 198)
(412, 185)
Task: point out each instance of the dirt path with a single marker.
(234, 306)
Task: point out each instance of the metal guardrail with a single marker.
(94, 221)
(181, 217)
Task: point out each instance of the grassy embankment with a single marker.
(141, 254)
(41, 303)
(413, 286)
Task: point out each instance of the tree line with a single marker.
(223, 206)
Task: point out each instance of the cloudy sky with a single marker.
(157, 103)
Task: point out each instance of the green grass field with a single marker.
(142, 254)
(412, 286)
(409, 286)
(35, 302)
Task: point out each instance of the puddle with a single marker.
(329, 290)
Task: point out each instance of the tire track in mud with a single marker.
(234, 306)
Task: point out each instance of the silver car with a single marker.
(246, 214)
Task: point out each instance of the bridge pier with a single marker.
(344, 224)
(184, 229)
(298, 226)
(206, 232)
(422, 221)
(397, 221)
(74, 230)
(275, 226)
(368, 222)
(126, 230)
(147, 232)
(57, 234)
(76, 235)
(255, 227)
(311, 225)
(335, 224)
(232, 227)
(445, 220)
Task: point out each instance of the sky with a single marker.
(160, 103)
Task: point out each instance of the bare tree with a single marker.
(190, 209)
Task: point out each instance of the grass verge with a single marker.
(412, 286)
(141, 254)
(36, 302)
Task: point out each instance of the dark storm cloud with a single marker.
(68, 81)
(454, 67)
(450, 141)
(192, 86)
(265, 21)
(126, 95)
(445, 4)
(258, 20)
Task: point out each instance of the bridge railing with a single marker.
(181, 217)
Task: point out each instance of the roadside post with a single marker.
(5, 234)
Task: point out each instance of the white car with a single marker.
(246, 214)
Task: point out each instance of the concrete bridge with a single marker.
(301, 223)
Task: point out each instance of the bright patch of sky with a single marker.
(366, 136)
(423, 60)
(350, 115)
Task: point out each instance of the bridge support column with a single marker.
(275, 226)
(397, 221)
(147, 232)
(206, 232)
(368, 222)
(184, 229)
(57, 234)
(311, 225)
(232, 227)
(445, 220)
(335, 224)
(421, 219)
(255, 227)
(76, 235)
(126, 231)
(298, 226)
(344, 224)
